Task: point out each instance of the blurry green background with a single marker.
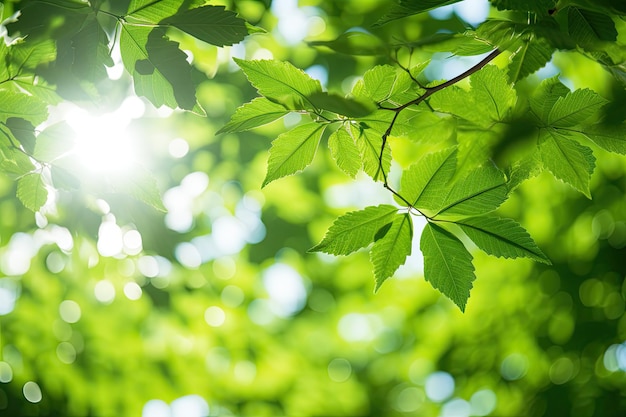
(108, 307)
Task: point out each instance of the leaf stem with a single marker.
(429, 92)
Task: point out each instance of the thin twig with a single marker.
(429, 92)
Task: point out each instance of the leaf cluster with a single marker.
(457, 188)
(63, 48)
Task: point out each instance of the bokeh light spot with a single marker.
(69, 311)
(339, 370)
(214, 316)
(439, 386)
(32, 392)
(514, 367)
(132, 291)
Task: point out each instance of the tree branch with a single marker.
(429, 92)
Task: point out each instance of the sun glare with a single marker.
(103, 144)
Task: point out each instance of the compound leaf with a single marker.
(447, 264)
(355, 230)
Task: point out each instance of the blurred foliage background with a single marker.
(108, 307)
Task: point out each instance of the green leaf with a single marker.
(355, 43)
(490, 99)
(587, 27)
(382, 82)
(423, 183)
(532, 55)
(545, 96)
(293, 151)
(370, 144)
(23, 131)
(26, 54)
(391, 250)
(141, 185)
(154, 11)
(567, 160)
(281, 82)
(524, 169)
(502, 238)
(211, 24)
(258, 112)
(344, 151)
(608, 137)
(355, 230)
(345, 106)
(63, 179)
(410, 7)
(575, 108)
(480, 191)
(91, 51)
(23, 106)
(538, 6)
(31, 190)
(160, 70)
(54, 142)
(447, 264)
(13, 163)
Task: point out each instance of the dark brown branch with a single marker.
(429, 92)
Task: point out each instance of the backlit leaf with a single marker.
(211, 24)
(610, 138)
(423, 183)
(531, 56)
(447, 264)
(545, 96)
(31, 190)
(91, 51)
(345, 106)
(160, 70)
(293, 151)
(281, 82)
(575, 108)
(482, 190)
(370, 144)
(587, 27)
(141, 185)
(567, 160)
(354, 43)
(391, 250)
(258, 112)
(355, 230)
(54, 142)
(502, 238)
(344, 151)
(23, 106)
(411, 7)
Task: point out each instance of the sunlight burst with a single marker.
(103, 144)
